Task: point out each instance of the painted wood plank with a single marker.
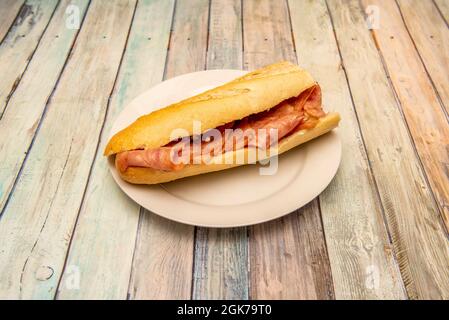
(288, 258)
(221, 264)
(27, 104)
(9, 10)
(163, 258)
(104, 238)
(36, 226)
(225, 35)
(357, 240)
(426, 119)
(430, 34)
(221, 255)
(443, 6)
(20, 43)
(417, 233)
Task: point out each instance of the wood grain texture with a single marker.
(37, 224)
(356, 236)
(426, 119)
(20, 43)
(417, 233)
(9, 10)
(163, 259)
(64, 88)
(104, 238)
(430, 34)
(221, 264)
(288, 258)
(443, 6)
(221, 255)
(26, 106)
(225, 35)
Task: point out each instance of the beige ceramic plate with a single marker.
(234, 197)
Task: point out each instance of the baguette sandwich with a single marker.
(275, 108)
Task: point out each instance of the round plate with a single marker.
(234, 197)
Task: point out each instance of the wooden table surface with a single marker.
(379, 231)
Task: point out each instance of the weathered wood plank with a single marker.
(221, 264)
(416, 230)
(27, 104)
(430, 34)
(443, 6)
(20, 43)
(38, 221)
(163, 258)
(221, 255)
(9, 10)
(356, 236)
(104, 238)
(288, 258)
(225, 35)
(426, 119)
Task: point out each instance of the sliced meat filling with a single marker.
(259, 130)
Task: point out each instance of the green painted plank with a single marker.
(425, 117)
(163, 259)
(361, 258)
(221, 255)
(38, 221)
(27, 104)
(9, 9)
(20, 43)
(417, 232)
(104, 240)
(288, 258)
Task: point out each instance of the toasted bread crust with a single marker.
(252, 93)
(151, 176)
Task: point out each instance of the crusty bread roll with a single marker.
(252, 93)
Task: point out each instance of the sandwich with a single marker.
(263, 113)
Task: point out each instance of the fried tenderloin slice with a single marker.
(280, 96)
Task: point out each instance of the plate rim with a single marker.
(128, 188)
